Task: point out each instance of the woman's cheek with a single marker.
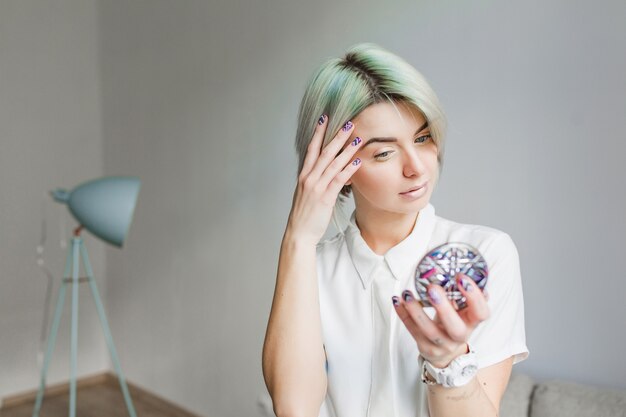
(366, 177)
(377, 178)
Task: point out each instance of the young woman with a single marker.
(346, 335)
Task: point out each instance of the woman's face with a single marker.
(398, 155)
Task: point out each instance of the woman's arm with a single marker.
(293, 352)
(445, 338)
(481, 397)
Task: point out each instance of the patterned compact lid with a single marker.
(441, 265)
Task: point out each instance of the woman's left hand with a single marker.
(443, 339)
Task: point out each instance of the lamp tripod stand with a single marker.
(75, 253)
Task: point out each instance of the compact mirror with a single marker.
(441, 265)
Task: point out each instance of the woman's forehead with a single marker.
(387, 117)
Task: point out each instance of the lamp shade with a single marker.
(103, 206)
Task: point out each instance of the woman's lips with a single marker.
(415, 192)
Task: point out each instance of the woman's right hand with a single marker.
(322, 177)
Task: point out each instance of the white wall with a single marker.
(200, 100)
(50, 136)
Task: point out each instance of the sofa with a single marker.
(525, 397)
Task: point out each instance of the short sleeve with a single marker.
(503, 334)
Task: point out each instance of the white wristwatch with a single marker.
(458, 373)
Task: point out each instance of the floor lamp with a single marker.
(104, 207)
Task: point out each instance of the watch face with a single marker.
(441, 265)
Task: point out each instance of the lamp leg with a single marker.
(52, 336)
(76, 243)
(107, 332)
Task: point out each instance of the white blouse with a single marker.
(372, 363)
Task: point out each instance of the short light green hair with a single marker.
(368, 74)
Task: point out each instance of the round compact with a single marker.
(441, 265)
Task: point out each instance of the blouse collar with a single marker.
(402, 259)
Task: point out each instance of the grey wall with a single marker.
(200, 98)
(50, 136)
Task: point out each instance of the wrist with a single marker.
(294, 240)
(457, 373)
(439, 388)
(462, 350)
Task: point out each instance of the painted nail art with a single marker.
(356, 161)
(347, 126)
(466, 284)
(406, 294)
(356, 141)
(321, 120)
(395, 300)
(434, 296)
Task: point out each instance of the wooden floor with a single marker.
(102, 398)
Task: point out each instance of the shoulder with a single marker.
(500, 253)
(330, 246)
(332, 255)
(477, 231)
(492, 242)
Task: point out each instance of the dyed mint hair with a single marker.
(343, 87)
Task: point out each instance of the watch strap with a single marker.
(447, 376)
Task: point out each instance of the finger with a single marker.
(315, 146)
(477, 309)
(340, 179)
(343, 167)
(330, 151)
(408, 320)
(340, 161)
(453, 324)
(421, 326)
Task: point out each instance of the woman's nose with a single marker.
(413, 165)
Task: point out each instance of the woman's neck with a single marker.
(384, 230)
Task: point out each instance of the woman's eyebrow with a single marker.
(391, 139)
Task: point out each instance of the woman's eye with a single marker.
(382, 155)
(423, 138)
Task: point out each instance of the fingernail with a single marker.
(356, 161)
(321, 120)
(347, 126)
(395, 300)
(406, 294)
(466, 284)
(356, 141)
(434, 296)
